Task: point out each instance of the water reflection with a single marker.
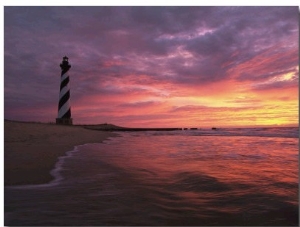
(170, 180)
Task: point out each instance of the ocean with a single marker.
(203, 177)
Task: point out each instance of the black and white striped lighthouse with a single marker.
(64, 107)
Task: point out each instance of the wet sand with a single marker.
(31, 149)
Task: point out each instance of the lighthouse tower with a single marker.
(64, 107)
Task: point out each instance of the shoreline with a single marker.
(31, 150)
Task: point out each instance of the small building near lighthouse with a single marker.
(64, 107)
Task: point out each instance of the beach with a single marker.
(232, 177)
(32, 149)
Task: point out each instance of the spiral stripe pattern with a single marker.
(64, 107)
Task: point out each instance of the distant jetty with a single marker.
(111, 127)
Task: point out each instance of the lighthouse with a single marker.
(64, 107)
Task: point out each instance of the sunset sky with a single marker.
(154, 66)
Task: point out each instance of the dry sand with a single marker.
(32, 149)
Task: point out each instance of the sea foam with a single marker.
(56, 173)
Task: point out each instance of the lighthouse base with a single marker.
(64, 121)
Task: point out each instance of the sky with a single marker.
(152, 66)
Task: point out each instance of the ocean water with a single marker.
(225, 177)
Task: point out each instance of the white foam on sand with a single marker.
(56, 172)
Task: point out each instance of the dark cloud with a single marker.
(139, 104)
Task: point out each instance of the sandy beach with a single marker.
(31, 149)
(232, 177)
